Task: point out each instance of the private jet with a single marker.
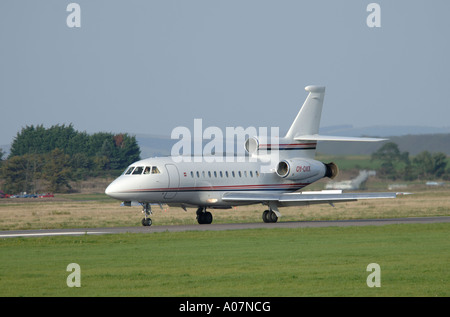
(214, 184)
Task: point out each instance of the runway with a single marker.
(219, 227)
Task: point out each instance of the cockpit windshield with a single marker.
(138, 170)
(142, 170)
(155, 170)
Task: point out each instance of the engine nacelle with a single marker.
(298, 169)
(332, 170)
(254, 144)
(301, 169)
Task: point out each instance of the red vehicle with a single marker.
(46, 195)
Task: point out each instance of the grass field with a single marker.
(265, 262)
(331, 261)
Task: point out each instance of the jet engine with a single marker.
(332, 170)
(301, 169)
(254, 144)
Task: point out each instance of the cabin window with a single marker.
(147, 170)
(128, 172)
(257, 173)
(138, 170)
(251, 174)
(232, 173)
(226, 173)
(155, 170)
(215, 174)
(240, 174)
(192, 174)
(221, 175)
(198, 174)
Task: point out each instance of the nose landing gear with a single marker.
(147, 211)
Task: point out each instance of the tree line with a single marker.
(49, 158)
(397, 165)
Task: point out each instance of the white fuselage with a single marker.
(200, 184)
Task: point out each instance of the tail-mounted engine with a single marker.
(332, 170)
(252, 145)
(301, 169)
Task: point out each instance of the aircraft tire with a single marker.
(146, 222)
(269, 216)
(273, 217)
(265, 216)
(208, 218)
(204, 218)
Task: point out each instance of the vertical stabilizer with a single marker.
(308, 118)
(302, 137)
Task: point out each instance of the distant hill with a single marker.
(413, 139)
(382, 130)
(414, 144)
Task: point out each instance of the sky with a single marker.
(147, 67)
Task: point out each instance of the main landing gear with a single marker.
(147, 211)
(204, 217)
(269, 216)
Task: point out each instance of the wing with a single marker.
(302, 198)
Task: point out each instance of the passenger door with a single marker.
(174, 181)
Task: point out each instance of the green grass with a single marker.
(91, 197)
(265, 262)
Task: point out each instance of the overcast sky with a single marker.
(150, 66)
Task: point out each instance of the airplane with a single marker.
(224, 185)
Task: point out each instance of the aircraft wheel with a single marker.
(265, 216)
(204, 218)
(273, 217)
(269, 216)
(146, 222)
(208, 218)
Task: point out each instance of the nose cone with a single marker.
(112, 190)
(108, 190)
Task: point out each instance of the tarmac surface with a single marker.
(219, 227)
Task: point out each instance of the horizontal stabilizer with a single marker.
(317, 137)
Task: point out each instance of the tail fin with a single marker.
(306, 125)
(302, 136)
(308, 118)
